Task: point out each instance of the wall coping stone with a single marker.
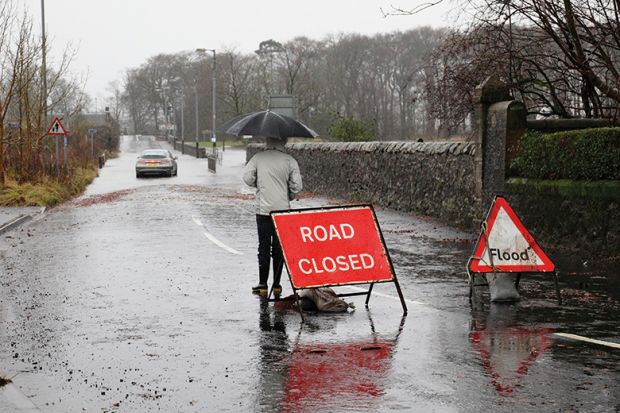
(432, 148)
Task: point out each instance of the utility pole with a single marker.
(43, 62)
(44, 83)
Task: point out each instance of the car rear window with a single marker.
(153, 155)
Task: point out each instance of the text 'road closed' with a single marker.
(351, 262)
(332, 246)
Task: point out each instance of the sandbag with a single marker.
(326, 300)
(502, 286)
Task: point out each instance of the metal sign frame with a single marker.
(484, 235)
(367, 293)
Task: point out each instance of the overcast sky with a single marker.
(113, 35)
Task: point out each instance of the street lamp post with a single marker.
(179, 101)
(44, 81)
(182, 99)
(213, 97)
(196, 113)
(164, 91)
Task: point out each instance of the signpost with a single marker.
(334, 246)
(505, 245)
(57, 129)
(92, 132)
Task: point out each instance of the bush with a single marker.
(586, 154)
(351, 130)
(48, 192)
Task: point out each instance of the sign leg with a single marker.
(517, 281)
(369, 291)
(372, 324)
(471, 286)
(400, 295)
(298, 304)
(557, 287)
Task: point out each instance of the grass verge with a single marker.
(49, 191)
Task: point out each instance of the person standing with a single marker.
(277, 179)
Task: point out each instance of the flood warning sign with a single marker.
(505, 245)
(333, 246)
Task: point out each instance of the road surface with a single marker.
(135, 297)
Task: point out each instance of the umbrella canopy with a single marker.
(268, 124)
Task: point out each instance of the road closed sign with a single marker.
(333, 246)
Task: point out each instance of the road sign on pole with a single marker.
(56, 128)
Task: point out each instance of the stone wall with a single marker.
(431, 178)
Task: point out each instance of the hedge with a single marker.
(585, 154)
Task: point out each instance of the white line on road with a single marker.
(588, 340)
(214, 240)
(387, 296)
(221, 244)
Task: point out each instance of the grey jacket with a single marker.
(276, 177)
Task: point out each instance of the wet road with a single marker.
(136, 297)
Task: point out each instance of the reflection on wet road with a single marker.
(118, 301)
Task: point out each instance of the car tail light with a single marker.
(141, 162)
(165, 162)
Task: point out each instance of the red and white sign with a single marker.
(56, 128)
(333, 246)
(508, 352)
(506, 246)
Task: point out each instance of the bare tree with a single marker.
(583, 34)
(240, 85)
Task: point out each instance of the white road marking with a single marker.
(214, 240)
(386, 296)
(221, 244)
(588, 340)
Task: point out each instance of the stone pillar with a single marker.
(500, 121)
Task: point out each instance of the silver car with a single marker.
(156, 162)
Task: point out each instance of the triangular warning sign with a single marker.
(506, 246)
(56, 128)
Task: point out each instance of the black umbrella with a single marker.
(268, 124)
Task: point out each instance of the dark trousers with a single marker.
(268, 247)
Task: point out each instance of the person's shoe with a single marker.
(277, 290)
(260, 289)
